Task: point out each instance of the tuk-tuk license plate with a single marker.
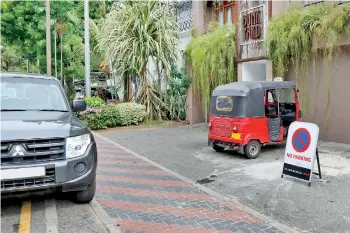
(236, 136)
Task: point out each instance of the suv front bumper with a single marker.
(66, 175)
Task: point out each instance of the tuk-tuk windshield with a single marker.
(285, 95)
(282, 95)
(228, 106)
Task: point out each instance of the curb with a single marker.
(231, 200)
(104, 217)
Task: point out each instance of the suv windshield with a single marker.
(31, 94)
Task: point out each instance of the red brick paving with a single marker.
(145, 205)
(134, 171)
(123, 162)
(107, 158)
(178, 183)
(150, 227)
(236, 215)
(155, 193)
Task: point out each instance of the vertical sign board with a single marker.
(251, 29)
(300, 153)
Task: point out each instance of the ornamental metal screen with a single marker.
(184, 14)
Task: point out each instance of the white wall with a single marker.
(184, 39)
(254, 71)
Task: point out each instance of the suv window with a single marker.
(31, 94)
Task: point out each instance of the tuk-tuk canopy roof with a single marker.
(243, 88)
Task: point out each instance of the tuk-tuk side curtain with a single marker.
(234, 106)
(255, 105)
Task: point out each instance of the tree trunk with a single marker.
(126, 97)
(148, 97)
(48, 38)
(144, 76)
(159, 76)
(55, 51)
(63, 82)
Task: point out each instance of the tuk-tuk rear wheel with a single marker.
(252, 149)
(218, 148)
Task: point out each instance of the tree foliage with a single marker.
(11, 59)
(176, 94)
(23, 28)
(213, 59)
(297, 36)
(132, 33)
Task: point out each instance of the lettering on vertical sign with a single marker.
(252, 25)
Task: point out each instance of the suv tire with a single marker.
(85, 196)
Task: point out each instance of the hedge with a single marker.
(114, 115)
(94, 101)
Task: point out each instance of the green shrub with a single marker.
(130, 113)
(94, 101)
(176, 93)
(91, 117)
(110, 115)
(94, 122)
(113, 115)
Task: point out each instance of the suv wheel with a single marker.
(86, 195)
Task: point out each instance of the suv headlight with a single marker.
(76, 146)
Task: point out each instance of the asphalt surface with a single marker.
(48, 213)
(323, 207)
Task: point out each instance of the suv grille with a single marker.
(49, 178)
(31, 151)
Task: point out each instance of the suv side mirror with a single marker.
(78, 105)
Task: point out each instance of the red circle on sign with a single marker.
(301, 140)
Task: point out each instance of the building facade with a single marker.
(252, 20)
(337, 127)
(251, 57)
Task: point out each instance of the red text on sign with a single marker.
(299, 157)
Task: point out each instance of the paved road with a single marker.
(324, 207)
(47, 214)
(143, 197)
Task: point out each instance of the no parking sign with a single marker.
(301, 150)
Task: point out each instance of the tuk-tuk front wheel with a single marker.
(252, 149)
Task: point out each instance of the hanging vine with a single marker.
(213, 59)
(297, 36)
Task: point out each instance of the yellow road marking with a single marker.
(24, 224)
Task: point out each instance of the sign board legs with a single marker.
(318, 166)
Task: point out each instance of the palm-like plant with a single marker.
(132, 33)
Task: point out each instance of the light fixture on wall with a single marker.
(183, 58)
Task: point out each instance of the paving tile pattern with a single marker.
(141, 198)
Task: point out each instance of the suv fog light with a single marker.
(80, 167)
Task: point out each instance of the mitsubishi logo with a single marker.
(18, 151)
